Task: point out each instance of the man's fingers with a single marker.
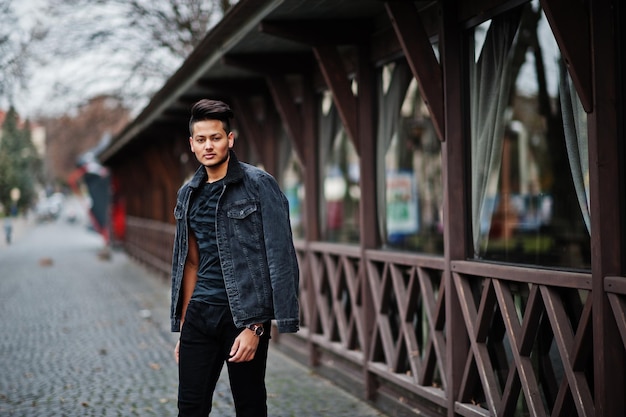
(177, 351)
(241, 353)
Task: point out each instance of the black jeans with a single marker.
(206, 338)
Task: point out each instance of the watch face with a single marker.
(258, 330)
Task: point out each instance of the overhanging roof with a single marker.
(205, 73)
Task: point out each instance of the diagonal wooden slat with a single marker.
(583, 338)
(290, 116)
(414, 297)
(319, 278)
(419, 52)
(523, 363)
(486, 311)
(428, 297)
(532, 318)
(336, 76)
(303, 261)
(400, 290)
(510, 393)
(429, 364)
(392, 312)
(469, 380)
(375, 278)
(376, 350)
(575, 45)
(564, 338)
(336, 278)
(563, 404)
(546, 368)
(407, 306)
(408, 310)
(473, 321)
(400, 351)
(381, 295)
(580, 354)
(434, 308)
(345, 306)
(355, 322)
(316, 270)
(386, 339)
(618, 305)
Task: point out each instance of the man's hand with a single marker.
(244, 348)
(177, 351)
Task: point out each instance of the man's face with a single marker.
(210, 143)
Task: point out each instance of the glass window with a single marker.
(341, 194)
(410, 205)
(293, 187)
(529, 167)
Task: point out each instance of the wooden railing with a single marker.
(408, 345)
(376, 321)
(529, 333)
(379, 313)
(150, 242)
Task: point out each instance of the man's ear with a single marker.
(191, 142)
(231, 140)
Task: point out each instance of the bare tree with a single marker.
(14, 52)
(121, 48)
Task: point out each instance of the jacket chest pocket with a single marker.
(245, 224)
(241, 212)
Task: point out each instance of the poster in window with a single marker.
(402, 203)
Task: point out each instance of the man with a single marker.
(234, 270)
(8, 229)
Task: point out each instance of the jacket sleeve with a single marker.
(281, 256)
(176, 264)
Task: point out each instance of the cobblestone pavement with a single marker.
(87, 336)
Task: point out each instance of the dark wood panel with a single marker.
(419, 53)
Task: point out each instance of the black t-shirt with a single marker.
(210, 287)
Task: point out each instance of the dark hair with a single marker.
(206, 109)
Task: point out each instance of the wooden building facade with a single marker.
(455, 171)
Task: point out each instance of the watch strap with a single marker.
(257, 329)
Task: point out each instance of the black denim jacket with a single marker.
(255, 247)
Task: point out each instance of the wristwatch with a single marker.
(257, 329)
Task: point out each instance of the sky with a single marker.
(28, 103)
(97, 71)
(44, 97)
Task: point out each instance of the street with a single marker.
(83, 335)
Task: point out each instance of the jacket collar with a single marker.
(233, 174)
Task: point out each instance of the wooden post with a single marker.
(606, 216)
(455, 151)
(311, 213)
(366, 140)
